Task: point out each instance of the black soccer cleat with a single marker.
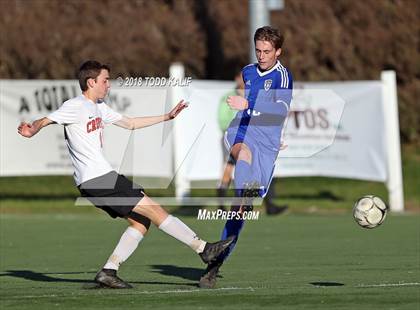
(108, 278)
(208, 279)
(251, 190)
(213, 250)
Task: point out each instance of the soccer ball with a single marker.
(369, 211)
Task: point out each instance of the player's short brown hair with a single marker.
(269, 34)
(90, 69)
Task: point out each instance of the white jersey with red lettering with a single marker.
(83, 122)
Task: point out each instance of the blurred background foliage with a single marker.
(325, 40)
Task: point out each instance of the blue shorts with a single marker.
(263, 155)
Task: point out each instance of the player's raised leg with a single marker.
(174, 227)
(246, 185)
(244, 172)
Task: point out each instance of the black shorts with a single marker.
(113, 193)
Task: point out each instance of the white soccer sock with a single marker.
(128, 243)
(177, 229)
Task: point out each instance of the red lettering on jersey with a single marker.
(98, 122)
(94, 125)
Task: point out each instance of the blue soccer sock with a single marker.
(232, 228)
(243, 174)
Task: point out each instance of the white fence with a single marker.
(335, 129)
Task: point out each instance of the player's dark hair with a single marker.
(90, 69)
(269, 34)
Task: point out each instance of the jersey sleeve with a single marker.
(109, 116)
(245, 74)
(67, 114)
(283, 96)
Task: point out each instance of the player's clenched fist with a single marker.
(237, 102)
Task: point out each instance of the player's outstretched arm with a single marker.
(141, 122)
(28, 130)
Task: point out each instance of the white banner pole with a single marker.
(182, 185)
(392, 134)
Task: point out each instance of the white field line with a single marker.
(389, 284)
(183, 291)
(133, 292)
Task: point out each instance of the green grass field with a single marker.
(287, 262)
(313, 257)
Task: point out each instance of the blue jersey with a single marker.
(269, 94)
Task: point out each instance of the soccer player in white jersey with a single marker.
(83, 118)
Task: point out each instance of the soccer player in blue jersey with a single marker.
(254, 135)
